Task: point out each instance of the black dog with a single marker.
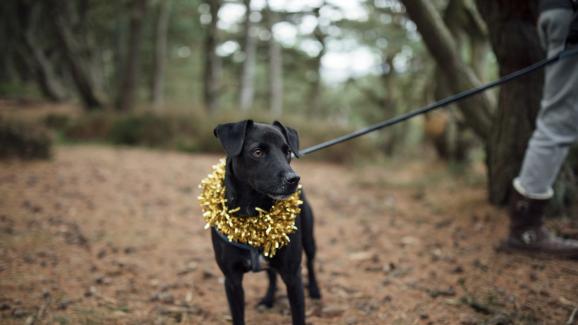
(258, 173)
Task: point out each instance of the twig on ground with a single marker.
(572, 317)
(39, 315)
(477, 306)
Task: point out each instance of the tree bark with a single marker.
(275, 68)
(211, 71)
(45, 76)
(276, 77)
(391, 100)
(317, 88)
(160, 53)
(477, 110)
(468, 31)
(514, 39)
(127, 90)
(247, 92)
(76, 64)
(119, 50)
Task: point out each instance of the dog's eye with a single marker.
(258, 153)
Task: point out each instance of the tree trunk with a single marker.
(317, 88)
(477, 110)
(276, 77)
(127, 90)
(247, 92)
(45, 76)
(119, 50)
(160, 53)
(463, 21)
(76, 64)
(212, 63)
(16, 67)
(275, 68)
(514, 39)
(390, 103)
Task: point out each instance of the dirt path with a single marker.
(114, 236)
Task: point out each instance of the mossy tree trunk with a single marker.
(514, 39)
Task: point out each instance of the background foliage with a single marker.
(162, 73)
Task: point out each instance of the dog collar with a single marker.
(269, 230)
(256, 262)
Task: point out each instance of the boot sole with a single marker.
(510, 247)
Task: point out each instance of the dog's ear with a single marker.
(232, 136)
(291, 136)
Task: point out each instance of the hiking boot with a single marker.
(527, 231)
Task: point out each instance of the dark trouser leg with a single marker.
(557, 123)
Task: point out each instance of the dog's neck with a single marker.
(240, 194)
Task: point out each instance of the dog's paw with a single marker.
(314, 292)
(265, 303)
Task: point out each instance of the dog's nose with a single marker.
(292, 178)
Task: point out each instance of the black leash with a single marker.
(567, 53)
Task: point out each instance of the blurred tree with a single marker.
(160, 52)
(212, 62)
(514, 39)
(458, 74)
(247, 91)
(47, 78)
(68, 21)
(34, 52)
(389, 48)
(321, 37)
(90, 49)
(388, 32)
(127, 90)
(275, 65)
(451, 137)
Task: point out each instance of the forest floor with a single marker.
(109, 235)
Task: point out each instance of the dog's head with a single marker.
(260, 155)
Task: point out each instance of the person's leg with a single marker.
(556, 130)
(557, 123)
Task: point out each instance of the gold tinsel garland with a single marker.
(269, 230)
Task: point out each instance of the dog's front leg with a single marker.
(235, 297)
(295, 294)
